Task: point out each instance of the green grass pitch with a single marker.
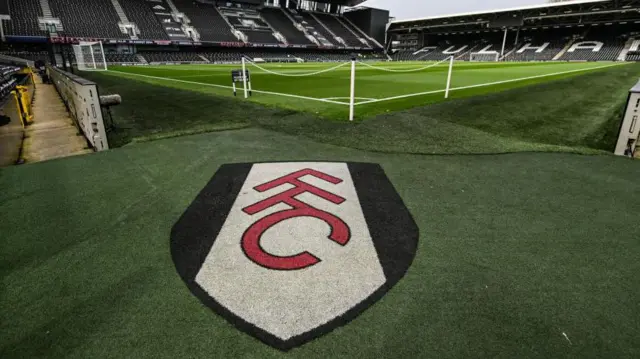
(520, 255)
(376, 89)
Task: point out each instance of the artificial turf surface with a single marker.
(515, 252)
(520, 255)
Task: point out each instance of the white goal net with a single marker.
(90, 56)
(485, 56)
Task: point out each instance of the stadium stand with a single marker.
(440, 48)
(281, 22)
(278, 56)
(633, 56)
(7, 81)
(490, 44)
(544, 32)
(121, 58)
(28, 55)
(260, 36)
(207, 20)
(222, 57)
(239, 27)
(336, 26)
(24, 18)
(357, 32)
(139, 12)
(539, 45)
(313, 27)
(99, 20)
(157, 56)
(250, 23)
(598, 46)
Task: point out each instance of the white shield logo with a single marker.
(289, 251)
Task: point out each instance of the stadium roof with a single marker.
(562, 13)
(516, 9)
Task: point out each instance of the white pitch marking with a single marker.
(343, 98)
(229, 87)
(485, 84)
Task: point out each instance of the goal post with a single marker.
(488, 56)
(90, 56)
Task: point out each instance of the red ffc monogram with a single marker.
(251, 237)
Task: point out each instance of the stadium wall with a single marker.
(372, 21)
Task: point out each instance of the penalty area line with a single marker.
(347, 98)
(484, 84)
(239, 89)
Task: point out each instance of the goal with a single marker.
(485, 56)
(90, 56)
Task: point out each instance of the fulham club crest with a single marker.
(289, 251)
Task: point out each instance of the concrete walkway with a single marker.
(52, 134)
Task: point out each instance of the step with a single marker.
(46, 143)
(52, 133)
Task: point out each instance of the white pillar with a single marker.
(352, 96)
(504, 42)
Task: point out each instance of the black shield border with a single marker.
(394, 231)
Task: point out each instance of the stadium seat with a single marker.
(24, 18)
(315, 28)
(332, 22)
(175, 56)
(139, 12)
(609, 52)
(633, 56)
(97, 19)
(121, 58)
(28, 55)
(281, 22)
(7, 82)
(250, 23)
(207, 20)
(613, 44)
(260, 36)
(222, 57)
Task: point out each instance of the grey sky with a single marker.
(410, 9)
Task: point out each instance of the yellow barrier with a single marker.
(23, 100)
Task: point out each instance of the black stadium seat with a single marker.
(260, 36)
(282, 23)
(97, 19)
(24, 18)
(139, 12)
(175, 56)
(340, 30)
(206, 19)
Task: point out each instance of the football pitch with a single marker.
(324, 88)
